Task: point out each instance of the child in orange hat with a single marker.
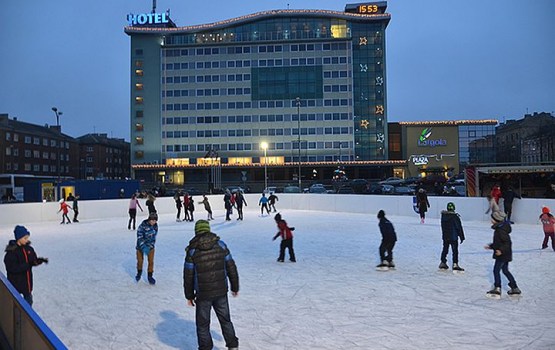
(548, 222)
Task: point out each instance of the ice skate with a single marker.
(384, 266)
(138, 276)
(151, 279)
(495, 293)
(391, 265)
(443, 266)
(457, 269)
(514, 291)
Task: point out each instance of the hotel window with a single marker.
(139, 52)
(139, 127)
(139, 100)
(138, 86)
(139, 114)
(139, 154)
(8, 136)
(138, 63)
(138, 72)
(28, 139)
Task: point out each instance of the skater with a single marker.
(496, 193)
(388, 241)
(508, 197)
(191, 208)
(548, 222)
(239, 201)
(227, 204)
(272, 199)
(452, 231)
(502, 253)
(286, 234)
(207, 207)
(75, 205)
(150, 199)
(133, 204)
(263, 203)
(422, 203)
(19, 260)
(64, 208)
(208, 266)
(178, 205)
(186, 206)
(146, 240)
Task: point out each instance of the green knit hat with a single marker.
(202, 226)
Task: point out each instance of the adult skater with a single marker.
(388, 241)
(133, 204)
(191, 209)
(19, 260)
(263, 203)
(150, 199)
(239, 201)
(208, 266)
(548, 222)
(452, 231)
(502, 253)
(146, 240)
(286, 234)
(272, 199)
(206, 207)
(422, 203)
(186, 206)
(508, 197)
(178, 205)
(74, 205)
(227, 204)
(64, 208)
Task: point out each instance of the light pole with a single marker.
(58, 114)
(298, 101)
(264, 146)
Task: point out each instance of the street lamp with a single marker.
(264, 146)
(58, 114)
(298, 102)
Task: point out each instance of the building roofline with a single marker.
(451, 122)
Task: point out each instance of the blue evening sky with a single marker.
(446, 59)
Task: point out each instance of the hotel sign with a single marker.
(425, 139)
(147, 19)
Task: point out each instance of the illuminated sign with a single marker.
(424, 159)
(367, 8)
(425, 141)
(148, 19)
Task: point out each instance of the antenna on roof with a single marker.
(288, 6)
(153, 6)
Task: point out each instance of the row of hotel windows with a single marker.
(255, 146)
(184, 79)
(233, 50)
(237, 91)
(256, 118)
(257, 132)
(37, 167)
(303, 61)
(37, 140)
(241, 105)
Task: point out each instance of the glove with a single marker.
(42, 260)
(292, 228)
(462, 240)
(275, 237)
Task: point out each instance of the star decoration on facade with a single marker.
(380, 137)
(363, 67)
(379, 81)
(379, 109)
(362, 41)
(364, 123)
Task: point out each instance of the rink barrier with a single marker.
(22, 328)
(525, 211)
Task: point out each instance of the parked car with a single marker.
(403, 190)
(193, 192)
(374, 188)
(387, 189)
(317, 188)
(234, 189)
(270, 189)
(291, 189)
(329, 188)
(411, 180)
(392, 181)
(345, 189)
(359, 185)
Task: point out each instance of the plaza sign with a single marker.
(148, 19)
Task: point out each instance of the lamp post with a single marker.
(58, 114)
(298, 102)
(264, 146)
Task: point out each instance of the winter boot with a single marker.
(443, 266)
(456, 267)
(151, 279)
(495, 292)
(391, 264)
(514, 291)
(138, 276)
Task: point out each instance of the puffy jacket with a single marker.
(146, 236)
(284, 230)
(19, 261)
(548, 222)
(208, 266)
(451, 227)
(387, 230)
(502, 241)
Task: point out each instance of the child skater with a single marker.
(64, 208)
(286, 234)
(388, 242)
(548, 222)
(206, 207)
(19, 260)
(502, 253)
(263, 203)
(451, 232)
(422, 203)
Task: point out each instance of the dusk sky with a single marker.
(445, 59)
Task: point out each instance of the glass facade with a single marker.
(476, 144)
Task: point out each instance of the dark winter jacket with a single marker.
(509, 196)
(451, 226)
(240, 200)
(227, 201)
(387, 230)
(146, 236)
(502, 241)
(272, 199)
(208, 265)
(150, 205)
(19, 261)
(422, 202)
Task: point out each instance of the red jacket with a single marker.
(64, 207)
(284, 230)
(548, 222)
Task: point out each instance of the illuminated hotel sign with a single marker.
(148, 19)
(425, 141)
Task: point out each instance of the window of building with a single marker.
(138, 72)
(139, 140)
(28, 139)
(8, 136)
(139, 100)
(139, 154)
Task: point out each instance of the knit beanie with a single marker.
(202, 226)
(20, 231)
(545, 210)
(450, 206)
(381, 214)
(498, 216)
(153, 216)
(277, 217)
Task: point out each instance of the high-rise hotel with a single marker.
(306, 86)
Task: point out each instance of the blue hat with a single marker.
(20, 231)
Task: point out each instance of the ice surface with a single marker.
(332, 298)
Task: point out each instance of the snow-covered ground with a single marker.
(332, 298)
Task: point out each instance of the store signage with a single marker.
(425, 139)
(147, 19)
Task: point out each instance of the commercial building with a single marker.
(311, 84)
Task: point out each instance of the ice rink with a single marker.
(332, 298)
